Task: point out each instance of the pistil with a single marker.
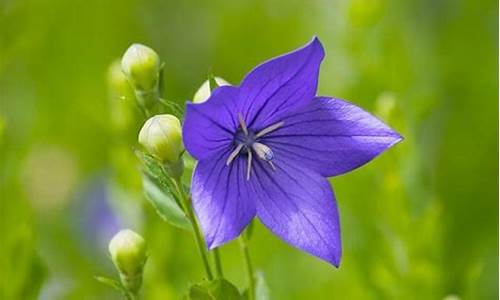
(249, 143)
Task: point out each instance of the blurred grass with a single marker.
(420, 222)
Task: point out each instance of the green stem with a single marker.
(197, 233)
(144, 111)
(129, 295)
(147, 100)
(248, 267)
(218, 264)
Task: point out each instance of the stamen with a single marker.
(233, 154)
(269, 129)
(263, 151)
(243, 124)
(249, 164)
(272, 165)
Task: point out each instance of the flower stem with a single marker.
(200, 243)
(129, 295)
(248, 266)
(218, 264)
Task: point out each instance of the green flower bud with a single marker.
(121, 97)
(118, 84)
(128, 253)
(204, 91)
(161, 137)
(141, 65)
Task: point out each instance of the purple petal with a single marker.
(332, 136)
(208, 127)
(221, 198)
(298, 205)
(280, 85)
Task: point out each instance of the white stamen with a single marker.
(269, 129)
(233, 154)
(249, 164)
(243, 124)
(272, 165)
(263, 151)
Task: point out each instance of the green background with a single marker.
(419, 222)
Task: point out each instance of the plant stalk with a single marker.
(218, 264)
(200, 243)
(248, 266)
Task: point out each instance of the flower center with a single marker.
(247, 142)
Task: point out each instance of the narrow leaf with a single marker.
(199, 292)
(165, 204)
(222, 289)
(153, 168)
(160, 191)
(110, 282)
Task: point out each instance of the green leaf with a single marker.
(222, 289)
(159, 189)
(154, 169)
(218, 289)
(110, 282)
(115, 284)
(172, 107)
(165, 204)
(198, 292)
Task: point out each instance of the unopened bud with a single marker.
(121, 97)
(203, 93)
(128, 252)
(161, 137)
(141, 65)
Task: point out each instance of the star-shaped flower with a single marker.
(266, 147)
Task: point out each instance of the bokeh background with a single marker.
(419, 222)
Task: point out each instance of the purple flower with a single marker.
(266, 147)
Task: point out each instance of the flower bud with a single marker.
(204, 91)
(128, 253)
(161, 137)
(141, 65)
(118, 84)
(121, 97)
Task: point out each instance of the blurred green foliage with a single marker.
(420, 222)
